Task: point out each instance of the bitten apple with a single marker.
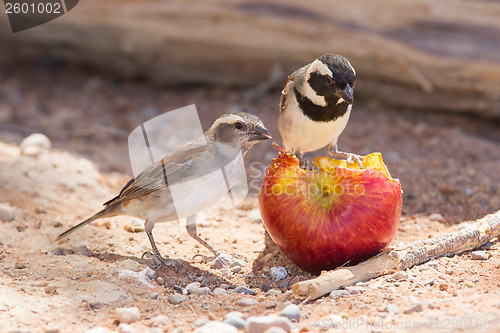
(339, 215)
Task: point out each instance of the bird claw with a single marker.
(349, 157)
(355, 157)
(220, 261)
(159, 260)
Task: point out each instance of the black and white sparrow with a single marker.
(186, 171)
(316, 104)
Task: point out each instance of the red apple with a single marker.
(336, 216)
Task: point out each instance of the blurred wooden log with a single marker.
(424, 54)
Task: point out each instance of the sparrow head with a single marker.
(241, 129)
(328, 80)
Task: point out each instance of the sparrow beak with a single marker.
(345, 94)
(259, 133)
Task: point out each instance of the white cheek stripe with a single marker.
(318, 66)
(311, 94)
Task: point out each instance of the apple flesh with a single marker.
(331, 217)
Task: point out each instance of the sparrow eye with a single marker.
(238, 125)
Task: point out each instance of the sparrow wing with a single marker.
(178, 166)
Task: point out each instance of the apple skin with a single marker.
(324, 220)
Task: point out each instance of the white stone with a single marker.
(128, 315)
(125, 328)
(247, 302)
(292, 312)
(6, 212)
(261, 324)
(35, 144)
(436, 217)
(159, 320)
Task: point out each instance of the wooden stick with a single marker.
(388, 262)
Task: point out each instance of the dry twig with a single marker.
(478, 234)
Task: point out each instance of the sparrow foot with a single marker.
(159, 260)
(220, 261)
(349, 157)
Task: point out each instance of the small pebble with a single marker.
(35, 144)
(159, 320)
(278, 273)
(432, 263)
(125, 328)
(20, 265)
(177, 299)
(224, 286)
(436, 217)
(6, 212)
(234, 314)
(216, 327)
(238, 263)
(264, 287)
(194, 288)
(469, 284)
(51, 290)
(84, 251)
(479, 255)
(254, 216)
(354, 290)
(200, 322)
(223, 260)
(292, 312)
(244, 290)
(128, 315)
(236, 269)
(205, 280)
(449, 271)
(338, 293)
(400, 275)
(153, 295)
(417, 307)
(180, 290)
(151, 274)
(275, 292)
(237, 322)
(360, 284)
(283, 284)
(443, 286)
(219, 292)
(247, 302)
(261, 324)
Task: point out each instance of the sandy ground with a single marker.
(448, 165)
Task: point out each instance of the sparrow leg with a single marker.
(349, 157)
(191, 229)
(304, 164)
(148, 226)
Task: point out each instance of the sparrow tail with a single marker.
(106, 212)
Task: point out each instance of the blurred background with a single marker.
(427, 93)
